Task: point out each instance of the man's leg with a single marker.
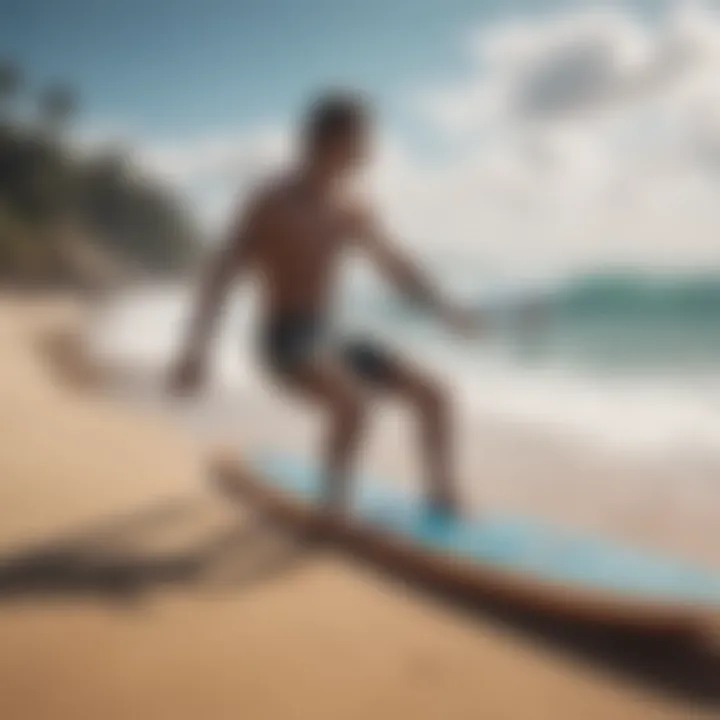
(433, 407)
(328, 383)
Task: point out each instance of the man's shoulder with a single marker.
(272, 188)
(268, 197)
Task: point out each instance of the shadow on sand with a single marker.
(103, 562)
(682, 668)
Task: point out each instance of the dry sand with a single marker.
(128, 590)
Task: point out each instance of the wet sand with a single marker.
(129, 590)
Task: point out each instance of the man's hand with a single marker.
(465, 322)
(410, 278)
(187, 375)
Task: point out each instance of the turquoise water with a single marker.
(602, 322)
(634, 323)
(626, 362)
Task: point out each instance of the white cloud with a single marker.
(599, 131)
(220, 157)
(218, 170)
(580, 138)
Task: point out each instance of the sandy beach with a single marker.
(129, 590)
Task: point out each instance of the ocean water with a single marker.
(625, 362)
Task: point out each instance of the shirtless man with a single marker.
(292, 236)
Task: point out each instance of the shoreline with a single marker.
(657, 504)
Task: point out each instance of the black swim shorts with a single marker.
(291, 341)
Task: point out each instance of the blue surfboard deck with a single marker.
(529, 548)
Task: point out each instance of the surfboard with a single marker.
(530, 564)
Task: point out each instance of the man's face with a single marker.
(348, 152)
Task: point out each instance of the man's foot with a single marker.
(445, 504)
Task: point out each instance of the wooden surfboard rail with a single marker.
(469, 578)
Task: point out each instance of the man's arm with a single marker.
(407, 275)
(225, 266)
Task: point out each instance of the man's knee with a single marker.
(432, 398)
(351, 407)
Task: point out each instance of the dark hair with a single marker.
(333, 115)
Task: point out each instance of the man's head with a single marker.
(337, 132)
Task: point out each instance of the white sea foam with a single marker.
(642, 414)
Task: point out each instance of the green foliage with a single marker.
(48, 194)
(129, 212)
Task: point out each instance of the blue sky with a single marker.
(539, 110)
(176, 66)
